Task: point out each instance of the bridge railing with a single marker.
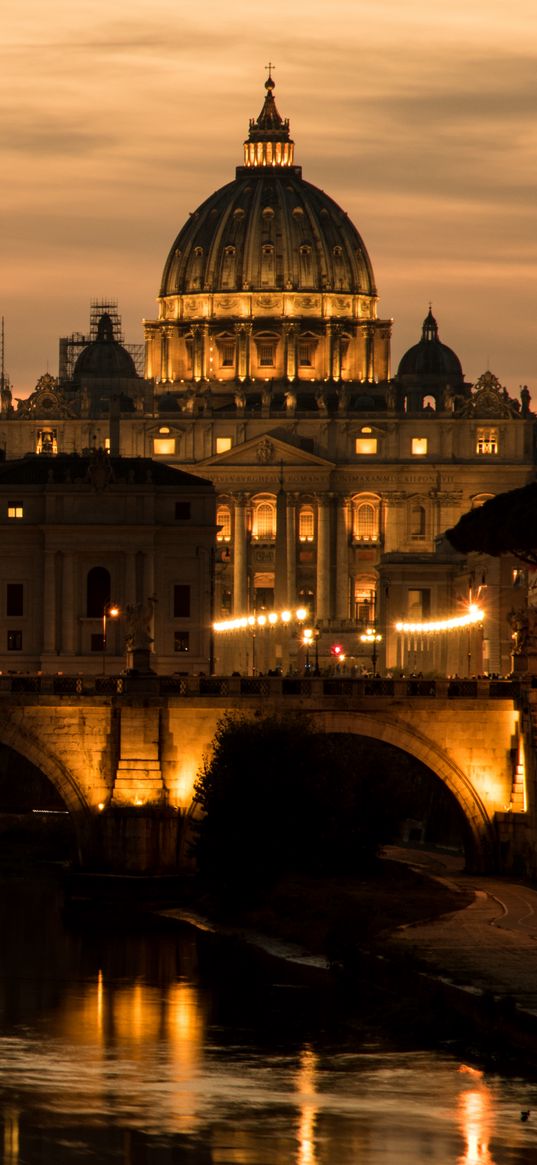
(342, 687)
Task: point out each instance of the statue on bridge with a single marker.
(138, 638)
(524, 636)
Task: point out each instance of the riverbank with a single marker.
(427, 949)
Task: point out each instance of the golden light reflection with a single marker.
(11, 1136)
(305, 1084)
(182, 783)
(476, 1118)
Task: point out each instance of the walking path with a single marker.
(491, 945)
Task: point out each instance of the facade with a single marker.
(86, 543)
(267, 371)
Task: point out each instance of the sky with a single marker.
(419, 119)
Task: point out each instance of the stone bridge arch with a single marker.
(22, 741)
(389, 730)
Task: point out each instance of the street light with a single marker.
(371, 638)
(110, 611)
(307, 640)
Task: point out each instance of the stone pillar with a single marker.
(240, 557)
(323, 557)
(280, 583)
(336, 352)
(197, 352)
(69, 619)
(291, 548)
(204, 351)
(139, 778)
(49, 603)
(163, 354)
(342, 558)
(290, 362)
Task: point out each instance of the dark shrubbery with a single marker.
(279, 797)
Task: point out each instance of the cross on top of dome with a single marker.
(268, 141)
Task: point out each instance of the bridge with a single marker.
(123, 751)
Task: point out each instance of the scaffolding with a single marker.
(71, 346)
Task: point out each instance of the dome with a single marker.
(104, 357)
(268, 230)
(430, 358)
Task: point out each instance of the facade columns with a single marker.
(281, 599)
(290, 360)
(49, 603)
(291, 548)
(68, 607)
(342, 558)
(323, 557)
(240, 557)
(197, 352)
(130, 580)
(244, 334)
(163, 354)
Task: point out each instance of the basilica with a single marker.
(267, 373)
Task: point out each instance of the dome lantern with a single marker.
(268, 142)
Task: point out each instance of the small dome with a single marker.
(268, 230)
(104, 357)
(430, 358)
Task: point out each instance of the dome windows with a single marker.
(267, 265)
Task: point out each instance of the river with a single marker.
(160, 1047)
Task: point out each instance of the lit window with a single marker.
(223, 519)
(227, 353)
(164, 446)
(266, 350)
(223, 444)
(365, 524)
(264, 521)
(15, 510)
(419, 446)
(14, 640)
(487, 441)
(366, 445)
(306, 353)
(306, 524)
(107, 444)
(47, 442)
(364, 598)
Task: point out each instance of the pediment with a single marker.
(267, 449)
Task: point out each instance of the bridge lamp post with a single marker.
(372, 638)
(307, 641)
(110, 611)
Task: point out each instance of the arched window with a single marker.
(365, 519)
(429, 402)
(264, 521)
(417, 521)
(306, 524)
(223, 519)
(98, 591)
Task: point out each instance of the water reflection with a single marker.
(133, 1047)
(476, 1120)
(305, 1085)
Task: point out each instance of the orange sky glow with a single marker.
(118, 120)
